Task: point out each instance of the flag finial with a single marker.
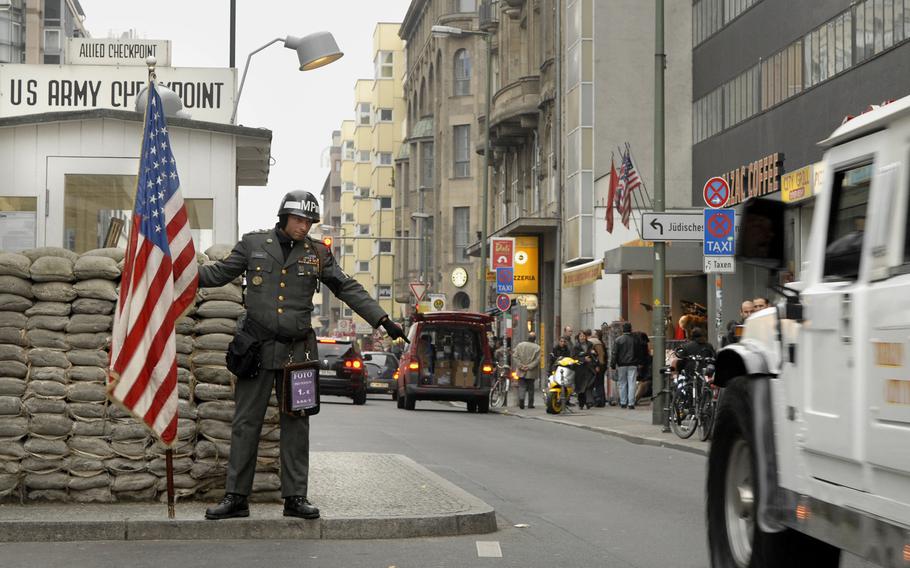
(151, 62)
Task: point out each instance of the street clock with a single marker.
(459, 277)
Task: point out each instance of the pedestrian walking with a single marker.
(644, 360)
(583, 350)
(600, 395)
(526, 357)
(626, 366)
(284, 268)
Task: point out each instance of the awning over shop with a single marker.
(583, 274)
(636, 257)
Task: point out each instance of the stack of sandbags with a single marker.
(44, 469)
(15, 298)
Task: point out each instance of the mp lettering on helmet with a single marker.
(309, 206)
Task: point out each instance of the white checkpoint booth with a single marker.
(69, 178)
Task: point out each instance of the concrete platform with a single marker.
(360, 496)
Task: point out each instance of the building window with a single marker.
(348, 217)
(709, 16)
(337, 165)
(782, 73)
(828, 49)
(348, 150)
(348, 249)
(363, 266)
(363, 113)
(385, 246)
(461, 223)
(347, 186)
(18, 223)
(426, 165)
(363, 156)
(363, 192)
(52, 41)
(52, 12)
(363, 229)
(461, 300)
(383, 115)
(465, 6)
(385, 202)
(880, 24)
(348, 312)
(385, 65)
(384, 291)
(384, 158)
(462, 150)
(462, 72)
(847, 222)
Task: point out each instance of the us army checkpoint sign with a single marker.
(719, 234)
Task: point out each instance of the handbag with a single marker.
(243, 353)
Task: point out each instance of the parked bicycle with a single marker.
(499, 392)
(692, 398)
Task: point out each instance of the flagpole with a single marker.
(168, 452)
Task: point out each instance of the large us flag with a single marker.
(159, 283)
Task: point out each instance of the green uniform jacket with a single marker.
(279, 293)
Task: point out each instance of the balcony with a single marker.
(488, 13)
(515, 111)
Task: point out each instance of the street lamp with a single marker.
(313, 51)
(451, 31)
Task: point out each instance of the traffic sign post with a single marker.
(716, 192)
(419, 289)
(672, 226)
(719, 233)
(505, 280)
(503, 302)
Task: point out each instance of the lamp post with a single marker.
(450, 31)
(313, 51)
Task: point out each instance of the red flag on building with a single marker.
(611, 197)
(159, 282)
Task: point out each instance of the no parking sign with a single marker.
(719, 234)
(716, 192)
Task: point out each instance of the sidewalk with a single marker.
(632, 425)
(359, 495)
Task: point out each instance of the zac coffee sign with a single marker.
(761, 177)
(207, 93)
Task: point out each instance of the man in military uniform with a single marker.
(283, 269)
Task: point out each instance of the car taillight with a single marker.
(395, 376)
(357, 364)
(488, 368)
(353, 364)
(414, 366)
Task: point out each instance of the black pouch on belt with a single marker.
(243, 352)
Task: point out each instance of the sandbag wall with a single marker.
(60, 438)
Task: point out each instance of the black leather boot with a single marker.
(233, 505)
(298, 506)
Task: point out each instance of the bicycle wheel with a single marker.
(498, 394)
(706, 417)
(683, 417)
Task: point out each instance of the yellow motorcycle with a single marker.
(561, 385)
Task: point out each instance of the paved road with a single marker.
(587, 500)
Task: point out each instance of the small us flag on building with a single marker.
(159, 282)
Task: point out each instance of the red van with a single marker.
(449, 358)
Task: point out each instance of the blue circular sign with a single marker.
(503, 302)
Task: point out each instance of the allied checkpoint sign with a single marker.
(113, 51)
(719, 232)
(207, 92)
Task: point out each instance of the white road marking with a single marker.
(489, 549)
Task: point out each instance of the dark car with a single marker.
(449, 358)
(381, 368)
(341, 369)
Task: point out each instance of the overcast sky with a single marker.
(300, 108)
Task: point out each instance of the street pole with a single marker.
(658, 412)
(557, 152)
(486, 177)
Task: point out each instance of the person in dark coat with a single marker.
(626, 364)
(560, 350)
(583, 350)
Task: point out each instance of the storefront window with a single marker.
(98, 213)
(18, 221)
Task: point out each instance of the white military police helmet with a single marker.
(300, 203)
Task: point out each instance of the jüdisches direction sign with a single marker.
(672, 226)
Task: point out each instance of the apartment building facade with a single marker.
(35, 31)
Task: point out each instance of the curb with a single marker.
(635, 439)
(482, 522)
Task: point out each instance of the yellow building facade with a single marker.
(370, 142)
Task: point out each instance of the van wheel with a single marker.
(735, 539)
(472, 406)
(409, 402)
(400, 400)
(483, 405)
